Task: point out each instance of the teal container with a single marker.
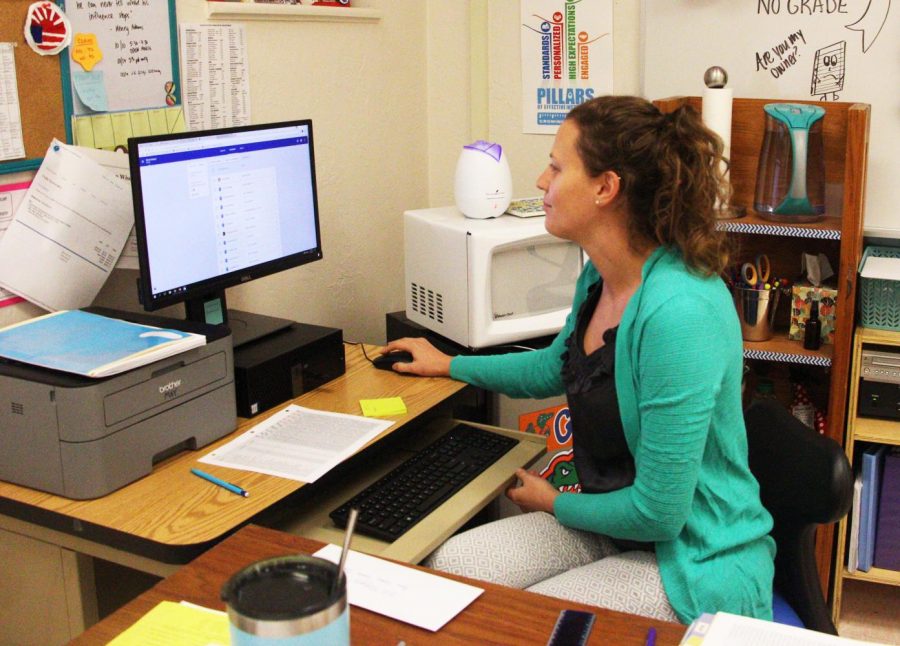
(288, 601)
(790, 178)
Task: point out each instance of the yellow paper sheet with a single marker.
(176, 624)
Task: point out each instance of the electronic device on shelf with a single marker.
(217, 208)
(392, 505)
(879, 383)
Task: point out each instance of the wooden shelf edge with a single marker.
(875, 335)
(784, 350)
(875, 575)
(882, 431)
(828, 228)
(288, 12)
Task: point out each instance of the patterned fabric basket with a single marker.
(879, 299)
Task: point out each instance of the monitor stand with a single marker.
(246, 327)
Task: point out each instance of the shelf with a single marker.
(837, 235)
(785, 350)
(882, 431)
(883, 337)
(829, 228)
(223, 10)
(875, 575)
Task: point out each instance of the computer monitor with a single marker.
(218, 208)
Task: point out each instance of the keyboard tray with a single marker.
(401, 498)
(311, 519)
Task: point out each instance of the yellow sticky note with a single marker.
(86, 51)
(385, 407)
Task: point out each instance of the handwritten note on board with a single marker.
(790, 50)
(132, 49)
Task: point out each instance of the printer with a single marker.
(82, 438)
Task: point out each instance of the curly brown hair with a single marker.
(672, 173)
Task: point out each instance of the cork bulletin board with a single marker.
(42, 101)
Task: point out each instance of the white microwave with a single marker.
(488, 282)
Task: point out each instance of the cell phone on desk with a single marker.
(572, 628)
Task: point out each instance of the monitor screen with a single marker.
(217, 208)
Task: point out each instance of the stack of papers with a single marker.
(91, 345)
(298, 443)
(725, 629)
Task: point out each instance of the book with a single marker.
(91, 345)
(726, 629)
(872, 462)
(853, 537)
(887, 536)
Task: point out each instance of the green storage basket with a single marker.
(879, 299)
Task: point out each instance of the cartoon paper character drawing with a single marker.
(828, 71)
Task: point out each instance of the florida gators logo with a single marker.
(562, 427)
(561, 473)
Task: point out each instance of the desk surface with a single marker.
(141, 517)
(499, 616)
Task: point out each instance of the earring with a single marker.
(597, 201)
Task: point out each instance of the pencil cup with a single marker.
(756, 311)
(289, 601)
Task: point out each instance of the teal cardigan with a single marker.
(678, 380)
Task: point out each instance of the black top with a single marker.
(601, 455)
(602, 458)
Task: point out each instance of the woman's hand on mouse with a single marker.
(428, 361)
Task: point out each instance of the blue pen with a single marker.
(225, 485)
(651, 637)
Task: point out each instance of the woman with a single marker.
(669, 522)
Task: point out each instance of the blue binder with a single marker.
(872, 463)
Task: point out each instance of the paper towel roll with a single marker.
(716, 112)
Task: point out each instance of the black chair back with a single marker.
(805, 480)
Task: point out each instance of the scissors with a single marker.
(756, 274)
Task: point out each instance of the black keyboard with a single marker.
(391, 505)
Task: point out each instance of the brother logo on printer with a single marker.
(170, 389)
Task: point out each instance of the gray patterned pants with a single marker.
(535, 552)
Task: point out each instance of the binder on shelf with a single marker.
(90, 344)
(887, 536)
(872, 462)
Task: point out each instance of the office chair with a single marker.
(805, 480)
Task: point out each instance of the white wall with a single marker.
(453, 76)
(392, 103)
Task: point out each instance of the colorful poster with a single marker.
(567, 56)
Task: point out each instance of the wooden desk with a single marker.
(499, 616)
(170, 516)
(167, 518)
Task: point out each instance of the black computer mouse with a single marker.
(387, 361)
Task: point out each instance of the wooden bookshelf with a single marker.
(863, 429)
(838, 235)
